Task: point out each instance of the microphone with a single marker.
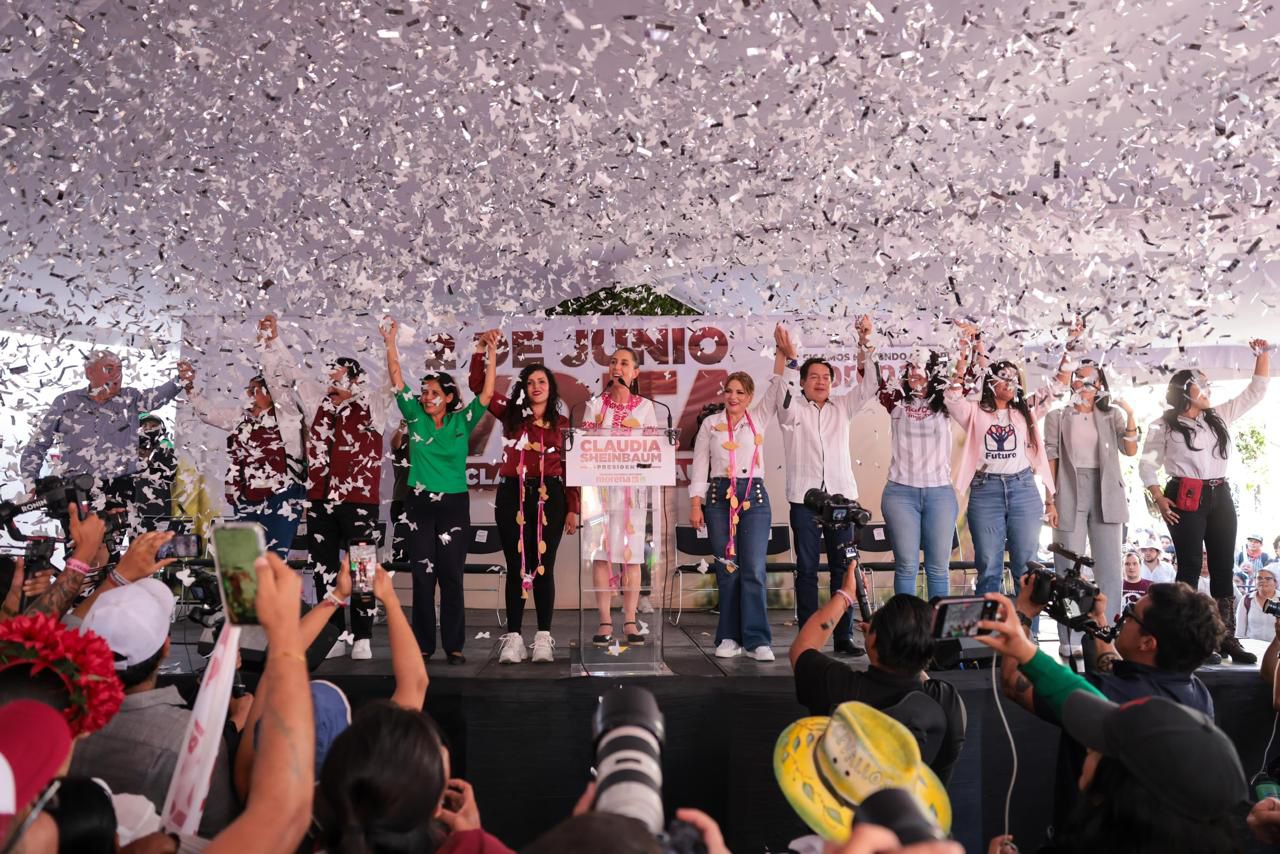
(672, 436)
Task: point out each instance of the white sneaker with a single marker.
(338, 650)
(512, 649)
(542, 646)
(645, 606)
(728, 649)
(762, 653)
(360, 650)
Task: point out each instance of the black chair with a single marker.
(875, 538)
(485, 541)
(688, 542)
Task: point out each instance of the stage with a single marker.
(521, 734)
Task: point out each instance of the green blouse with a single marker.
(438, 456)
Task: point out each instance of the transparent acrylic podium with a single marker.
(625, 477)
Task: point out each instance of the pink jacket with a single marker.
(976, 421)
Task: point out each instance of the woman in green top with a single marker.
(438, 506)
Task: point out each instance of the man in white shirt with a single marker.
(815, 430)
(1155, 568)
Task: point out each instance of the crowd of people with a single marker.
(1142, 766)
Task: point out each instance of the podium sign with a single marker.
(621, 539)
(639, 457)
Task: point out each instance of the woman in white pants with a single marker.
(1084, 440)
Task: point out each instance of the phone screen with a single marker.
(364, 561)
(235, 548)
(181, 546)
(958, 618)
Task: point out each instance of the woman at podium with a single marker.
(729, 500)
(620, 540)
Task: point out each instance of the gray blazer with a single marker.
(1057, 446)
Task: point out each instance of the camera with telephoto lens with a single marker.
(1272, 607)
(1068, 598)
(629, 731)
(835, 511)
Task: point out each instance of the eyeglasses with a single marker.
(1130, 612)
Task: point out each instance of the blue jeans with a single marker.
(744, 615)
(279, 516)
(808, 537)
(1004, 515)
(921, 517)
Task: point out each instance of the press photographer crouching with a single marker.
(1152, 651)
(1159, 776)
(899, 648)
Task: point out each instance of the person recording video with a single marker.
(899, 648)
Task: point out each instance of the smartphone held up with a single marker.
(958, 616)
(364, 562)
(236, 546)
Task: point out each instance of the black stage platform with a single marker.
(521, 733)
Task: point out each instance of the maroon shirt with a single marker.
(548, 439)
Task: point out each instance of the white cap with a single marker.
(1149, 541)
(133, 620)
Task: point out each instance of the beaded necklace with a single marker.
(736, 508)
(526, 578)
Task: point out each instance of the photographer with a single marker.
(1162, 639)
(816, 438)
(1158, 776)
(98, 427)
(899, 647)
(157, 467)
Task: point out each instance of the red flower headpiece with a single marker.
(82, 660)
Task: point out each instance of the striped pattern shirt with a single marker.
(919, 441)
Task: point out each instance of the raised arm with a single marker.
(407, 663)
(475, 381)
(222, 417)
(489, 341)
(279, 809)
(282, 371)
(818, 628)
(1255, 390)
(389, 329)
(87, 535)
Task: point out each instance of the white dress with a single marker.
(621, 535)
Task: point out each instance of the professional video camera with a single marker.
(629, 730)
(1067, 598)
(51, 492)
(835, 511)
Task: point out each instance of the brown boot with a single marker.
(1230, 646)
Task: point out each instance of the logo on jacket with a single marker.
(1001, 441)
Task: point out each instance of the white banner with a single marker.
(184, 803)
(643, 456)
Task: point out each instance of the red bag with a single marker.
(1188, 495)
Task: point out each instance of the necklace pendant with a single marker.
(746, 505)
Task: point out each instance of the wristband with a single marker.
(331, 597)
(1024, 619)
(76, 565)
(118, 579)
(846, 596)
(793, 364)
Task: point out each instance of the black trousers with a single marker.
(399, 531)
(1211, 531)
(330, 527)
(504, 514)
(440, 534)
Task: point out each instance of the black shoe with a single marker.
(605, 639)
(846, 646)
(636, 639)
(456, 658)
(1239, 655)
